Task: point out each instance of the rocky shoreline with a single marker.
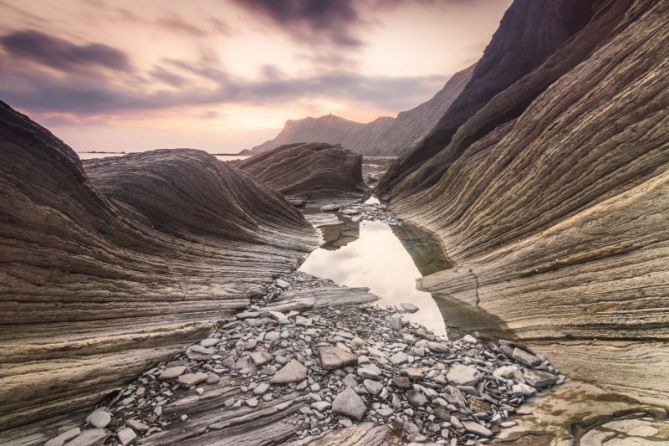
(317, 371)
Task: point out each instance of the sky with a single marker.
(224, 75)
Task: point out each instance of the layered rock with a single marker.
(551, 195)
(383, 136)
(108, 270)
(310, 171)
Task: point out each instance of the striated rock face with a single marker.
(309, 171)
(108, 269)
(551, 196)
(383, 136)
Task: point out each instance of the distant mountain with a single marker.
(383, 136)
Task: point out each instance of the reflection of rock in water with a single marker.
(424, 248)
(462, 319)
(337, 236)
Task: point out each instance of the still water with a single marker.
(387, 259)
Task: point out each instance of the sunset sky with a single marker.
(224, 75)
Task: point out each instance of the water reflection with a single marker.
(339, 235)
(376, 259)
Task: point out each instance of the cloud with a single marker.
(41, 92)
(311, 21)
(61, 54)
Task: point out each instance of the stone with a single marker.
(349, 404)
(396, 322)
(292, 372)
(401, 382)
(261, 358)
(522, 389)
(438, 347)
(99, 418)
(413, 373)
(212, 378)
(172, 372)
(330, 208)
(408, 307)
(399, 358)
(463, 375)
(279, 317)
(199, 353)
(62, 438)
(525, 357)
(370, 371)
(539, 378)
(442, 414)
(126, 435)
(209, 342)
(248, 315)
(350, 380)
(373, 387)
(192, 379)
(475, 428)
(506, 372)
(416, 398)
(251, 402)
(385, 411)
(321, 406)
(469, 339)
(334, 358)
(137, 425)
(282, 284)
(261, 388)
(89, 437)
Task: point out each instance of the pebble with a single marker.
(349, 404)
(99, 418)
(292, 372)
(126, 435)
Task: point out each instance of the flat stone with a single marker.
(506, 372)
(409, 308)
(349, 404)
(399, 358)
(261, 358)
(475, 428)
(261, 388)
(252, 402)
(192, 379)
(539, 378)
(126, 435)
(525, 357)
(320, 406)
(209, 342)
(463, 375)
(247, 315)
(373, 387)
(137, 425)
(437, 347)
(199, 353)
(212, 378)
(292, 372)
(281, 318)
(89, 437)
(62, 438)
(523, 390)
(330, 208)
(99, 418)
(172, 372)
(413, 373)
(334, 358)
(370, 371)
(416, 398)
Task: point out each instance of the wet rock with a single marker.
(334, 358)
(292, 372)
(349, 404)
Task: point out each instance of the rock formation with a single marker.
(310, 171)
(547, 178)
(110, 268)
(383, 136)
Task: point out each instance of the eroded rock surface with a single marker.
(310, 171)
(105, 274)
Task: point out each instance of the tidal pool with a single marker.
(386, 259)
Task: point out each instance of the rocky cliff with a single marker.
(110, 268)
(314, 171)
(547, 178)
(383, 136)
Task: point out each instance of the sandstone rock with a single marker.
(349, 404)
(126, 435)
(62, 438)
(172, 372)
(89, 437)
(334, 358)
(539, 379)
(463, 375)
(192, 379)
(292, 372)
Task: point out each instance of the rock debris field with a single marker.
(294, 367)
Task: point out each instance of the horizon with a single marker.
(224, 76)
